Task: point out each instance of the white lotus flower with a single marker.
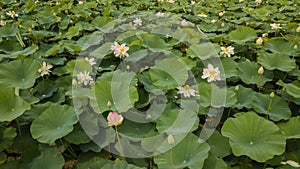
(171, 1)
(160, 14)
(12, 14)
(184, 22)
(84, 78)
(291, 163)
(45, 69)
(137, 22)
(211, 73)
(90, 60)
(202, 15)
(186, 91)
(258, 1)
(275, 26)
(227, 51)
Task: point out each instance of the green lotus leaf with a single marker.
(248, 72)
(22, 53)
(291, 129)
(19, 73)
(254, 136)
(243, 94)
(219, 145)
(104, 23)
(54, 123)
(101, 51)
(292, 89)
(276, 61)
(276, 108)
(45, 89)
(11, 106)
(154, 42)
(230, 67)
(177, 122)
(98, 162)
(74, 67)
(78, 135)
(73, 31)
(119, 89)
(8, 30)
(49, 157)
(202, 51)
(8, 46)
(190, 152)
(212, 95)
(214, 162)
(242, 34)
(169, 73)
(7, 136)
(279, 45)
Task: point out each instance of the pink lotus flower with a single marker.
(114, 119)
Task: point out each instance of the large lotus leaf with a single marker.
(243, 94)
(279, 45)
(177, 122)
(54, 123)
(248, 72)
(202, 51)
(291, 129)
(119, 89)
(7, 136)
(14, 54)
(212, 95)
(242, 34)
(45, 89)
(101, 51)
(8, 30)
(276, 61)
(186, 34)
(11, 106)
(74, 67)
(19, 73)
(214, 162)
(219, 145)
(254, 136)
(154, 42)
(292, 89)
(50, 158)
(78, 135)
(98, 162)
(169, 73)
(230, 66)
(190, 152)
(277, 109)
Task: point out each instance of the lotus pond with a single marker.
(154, 84)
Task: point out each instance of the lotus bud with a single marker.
(259, 41)
(108, 104)
(296, 47)
(114, 119)
(237, 87)
(170, 139)
(298, 29)
(222, 24)
(260, 70)
(272, 94)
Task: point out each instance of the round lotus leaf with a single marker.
(191, 152)
(54, 123)
(254, 136)
(19, 73)
(11, 105)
